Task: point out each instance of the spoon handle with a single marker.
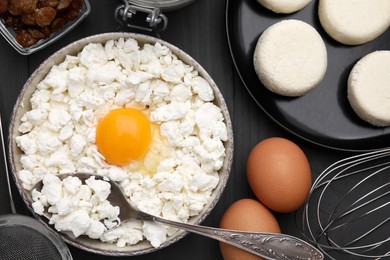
(266, 245)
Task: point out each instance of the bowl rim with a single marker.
(72, 49)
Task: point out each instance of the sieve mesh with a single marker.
(21, 242)
(25, 238)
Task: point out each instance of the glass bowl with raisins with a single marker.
(30, 25)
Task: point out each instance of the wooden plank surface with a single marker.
(199, 30)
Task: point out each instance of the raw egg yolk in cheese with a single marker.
(123, 135)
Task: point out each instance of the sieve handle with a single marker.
(11, 200)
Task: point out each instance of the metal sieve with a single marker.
(25, 238)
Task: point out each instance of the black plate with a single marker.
(323, 116)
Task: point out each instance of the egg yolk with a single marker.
(123, 135)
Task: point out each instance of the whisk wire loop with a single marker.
(347, 213)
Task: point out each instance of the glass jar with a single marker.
(166, 5)
(10, 34)
(155, 19)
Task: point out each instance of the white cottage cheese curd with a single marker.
(174, 179)
(81, 209)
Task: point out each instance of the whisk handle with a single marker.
(266, 245)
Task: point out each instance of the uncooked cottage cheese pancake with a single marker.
(290, 58)
(369, 88)
(284, 6)
(135, 114)
(354, 21)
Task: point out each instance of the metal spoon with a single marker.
(266, 245)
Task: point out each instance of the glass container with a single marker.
(155, 19)
(10, 34)
(165, 5)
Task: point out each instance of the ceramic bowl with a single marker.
(22, 105)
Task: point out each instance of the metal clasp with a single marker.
(155, 19)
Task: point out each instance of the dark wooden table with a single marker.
(199, 30)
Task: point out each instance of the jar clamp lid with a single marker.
(156, 20)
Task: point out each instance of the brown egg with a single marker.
(279, 174)
(246, 215)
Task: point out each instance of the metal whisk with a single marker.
(348, 212)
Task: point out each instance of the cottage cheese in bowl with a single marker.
(186, 139)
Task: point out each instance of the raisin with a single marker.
(77, 4)
(45, 15)
(45, 30)
(25, 39)
(28, 19)
(69, 15)
(15, 7)
(13, 22)
(47, 3)
(28, 6)
(36, 33)
(57, 24)
(63, 4)
(3, 6)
